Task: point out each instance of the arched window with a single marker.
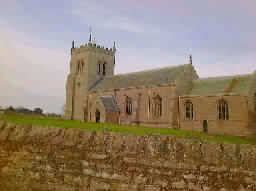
(78, 66)
(149, 104)
(128, 105)
(223, 111)
(189, 112)
(99, 68)
(104, 69)
(97, 116)
(82, 66)
(157, 106)
(254, 101)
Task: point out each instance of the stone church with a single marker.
(171, 97)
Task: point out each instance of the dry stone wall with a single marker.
(46, 159)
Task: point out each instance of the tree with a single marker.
(10, 109)
(63, 110)
(38, 110)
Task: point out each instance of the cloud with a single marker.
(102, 15)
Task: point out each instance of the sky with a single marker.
(36, 36)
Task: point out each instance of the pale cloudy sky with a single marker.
(35, 40)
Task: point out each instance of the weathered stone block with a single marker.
(179, 185)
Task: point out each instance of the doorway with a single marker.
(97, 115)
(205, 126)
(85, 114)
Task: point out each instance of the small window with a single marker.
(157, 106)
(223, 110)
(254, 101)
(149, 104)
(82, 66)
(78, 66)
(128, 105)
(104, 69)
(189, 112)
(99, 68)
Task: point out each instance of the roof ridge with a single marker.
(224, 77)
(149, 70)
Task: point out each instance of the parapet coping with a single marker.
(92, 46)
(214, 95)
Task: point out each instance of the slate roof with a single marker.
(143, 78)
(109, 103)
(215, 85)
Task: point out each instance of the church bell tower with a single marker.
(89, 64)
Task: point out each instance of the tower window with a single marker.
(78, 66)
(82, 66)
(128, 105)
(99, 68)
(189, 112)
(104, 69)
(223, 111)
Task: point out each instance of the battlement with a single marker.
(93, 47)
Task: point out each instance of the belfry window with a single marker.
(189, 111)
(157, 106)
(78, 67)
(104, 69)
(99, 68)
(82, 66)
(128, 105)
(223, 110)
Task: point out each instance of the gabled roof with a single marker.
(228, 84)
(144, 78)
(109, 103)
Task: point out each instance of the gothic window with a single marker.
(157, 106)
(254, 101)
(223, 111)
(82, 66)
(99, 68)
(189, 112)
(78, 66)
(104, 69)
(128, 105)
(149, 104)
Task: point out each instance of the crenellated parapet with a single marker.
(93, 47)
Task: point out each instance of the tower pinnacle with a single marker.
(73, 46)
(90, 37)
(114, 47)
(190, 59)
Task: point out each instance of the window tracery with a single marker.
(223, 110)
(189, 110)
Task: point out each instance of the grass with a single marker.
(124, 129)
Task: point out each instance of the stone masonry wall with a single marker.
(46, 159)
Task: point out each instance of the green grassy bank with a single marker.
(124, 129)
